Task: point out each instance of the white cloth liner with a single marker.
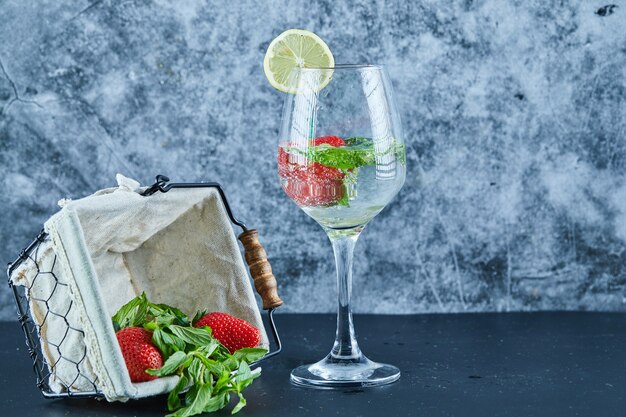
(179, 247)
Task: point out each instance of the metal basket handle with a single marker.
(256, 257)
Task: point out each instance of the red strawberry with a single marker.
(232, 332)
(311, 183)
(139, 353)
(335, 141)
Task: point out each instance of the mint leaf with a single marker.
(192, 335)
(174, 342)
(216, 403)
(132, 313)
(229, 362)
(222, 381)
(195, 370)
(344, 200)
(166, 343)
(243, 378)
(241, 404)
(210, 349)
(357, 152)
(198, 316)
(400, 151)
(215, 367)
(201, 399)
(171, 364)
(342, 157)
(250, 354)
(173, 399)
(151, 325)
(157, 340)
(348, 187)
(170, 314)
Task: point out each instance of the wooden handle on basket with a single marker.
(260, 269)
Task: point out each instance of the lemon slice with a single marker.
(296, 48)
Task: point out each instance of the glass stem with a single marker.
(345, 347)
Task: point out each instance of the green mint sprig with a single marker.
(207, 370)
(139, 311)
(356, 153)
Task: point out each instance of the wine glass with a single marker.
(341, 158)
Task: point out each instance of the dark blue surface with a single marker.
(465, 365)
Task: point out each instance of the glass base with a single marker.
(332, 373)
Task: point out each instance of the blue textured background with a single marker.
(513, 113)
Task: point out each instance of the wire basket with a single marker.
(61, 347)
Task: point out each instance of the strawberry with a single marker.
(311, 184)
(232, 332)
(139, 353)
(335, 141)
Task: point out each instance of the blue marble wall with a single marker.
(514, 114)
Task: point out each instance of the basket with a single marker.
(52, 352)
